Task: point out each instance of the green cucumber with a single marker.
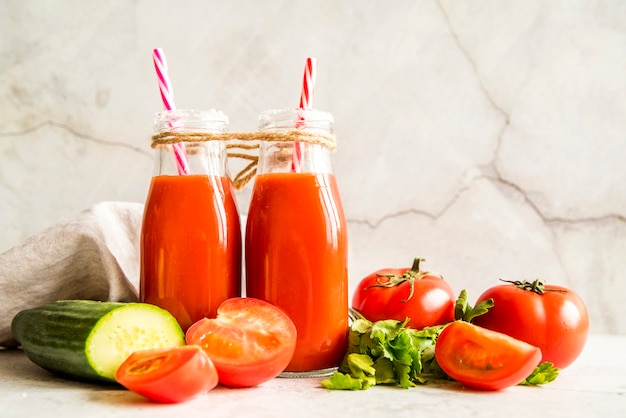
(88, 340)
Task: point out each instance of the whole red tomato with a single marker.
(550, 317)
(401, 293)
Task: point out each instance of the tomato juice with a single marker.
(296, 259)
(190, 246)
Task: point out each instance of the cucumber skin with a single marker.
(54, 336)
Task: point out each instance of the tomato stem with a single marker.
(415, 268)
(409, 276)
(536, 286)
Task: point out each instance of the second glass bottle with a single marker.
(296, 241)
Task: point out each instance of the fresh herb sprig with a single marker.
(544, 373)
(388, 353)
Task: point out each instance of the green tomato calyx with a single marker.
(409, 276)
(537, 286)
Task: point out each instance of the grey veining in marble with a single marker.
(488, 137)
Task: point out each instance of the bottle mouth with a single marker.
(290, 118)
(190, 120)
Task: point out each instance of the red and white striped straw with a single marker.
(308, 84)
(306, 102)
(167, 96)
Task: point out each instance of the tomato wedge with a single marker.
(483, 359)
(250, 341)
(168, 375)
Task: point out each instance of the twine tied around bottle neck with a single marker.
(246, 141)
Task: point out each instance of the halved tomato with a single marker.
(483, 359)
(168, 375)
(251, 341)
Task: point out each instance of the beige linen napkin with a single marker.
(94, 256)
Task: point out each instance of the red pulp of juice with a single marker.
(190, 246)
(296, 259)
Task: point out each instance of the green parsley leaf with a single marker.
(342, 381)
(465, 312)
(544, 373)
(385, 373)
(360, 377)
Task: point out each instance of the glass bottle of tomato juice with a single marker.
(296, 241)
(191, 233)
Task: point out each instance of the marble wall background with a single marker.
(487, 136)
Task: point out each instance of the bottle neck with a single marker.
(206, 158)
(294, 157)
(284, 157)
(202, 157)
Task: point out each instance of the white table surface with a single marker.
(593, 386)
